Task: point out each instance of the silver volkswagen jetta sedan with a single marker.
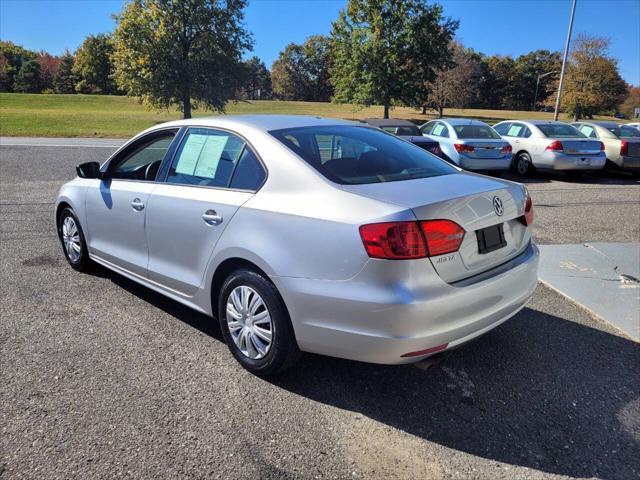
(306, 234)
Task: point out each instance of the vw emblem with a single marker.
(497, 206)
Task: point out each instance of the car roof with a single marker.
(460, 121)
(259, 122)
(605, 124)
(389, 122)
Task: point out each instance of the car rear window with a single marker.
(352, 155)
(403, 130)
(559, 130)
(625, 132)
(475, 131)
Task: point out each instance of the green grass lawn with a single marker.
(37, 115)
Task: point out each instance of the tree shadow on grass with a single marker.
(540, 391)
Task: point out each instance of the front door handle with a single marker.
(210, 217)
(137, 204)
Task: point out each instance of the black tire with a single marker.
(522, 164)
(83, 262)
(283, 351)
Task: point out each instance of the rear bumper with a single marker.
(374, 318)
(562, 161)
(485, 163)
(630, 163)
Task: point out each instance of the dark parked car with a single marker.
(407, 130)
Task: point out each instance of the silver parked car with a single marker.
(550, 145)
(470, 144)
(621, 142)
(306, 234)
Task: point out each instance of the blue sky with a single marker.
(508, 27)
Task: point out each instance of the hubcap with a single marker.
(523, 165)
(71, 239)
(249, 322)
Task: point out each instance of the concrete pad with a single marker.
(602, 277)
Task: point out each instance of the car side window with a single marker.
(514, 130)
(588, 131)
(440, 130)
(206, 157)
(249, 173)
(525, 133)
(141, 160)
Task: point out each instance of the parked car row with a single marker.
(524, 145)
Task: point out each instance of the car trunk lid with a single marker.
(481, 148)
(579, 146)
(470, 201)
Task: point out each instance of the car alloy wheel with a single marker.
(249, 322)
(522, 165)
(71, 240)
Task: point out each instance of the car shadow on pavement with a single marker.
(197, 320)
(539, 392)
(604, 177)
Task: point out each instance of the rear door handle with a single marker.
(137, 204)
(210, 217)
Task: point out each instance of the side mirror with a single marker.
(89, 170)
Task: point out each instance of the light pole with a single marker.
(564, 59)
(535, 97)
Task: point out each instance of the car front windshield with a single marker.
(404, 130)
(475, 131)
(560, 130)
(352, 155)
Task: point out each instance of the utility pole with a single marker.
(564, 59)
(535, 97)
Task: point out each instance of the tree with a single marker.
(495, 81)
(48, 68)
(28, 78)
(65, 80)
(386, 51)
(93, 65)
(631, 102)
(14, 56)
(458, 85)
(258, 84)
(301, 72)
(6, 73)
(186, 53)
(524, 76)
(592, 83)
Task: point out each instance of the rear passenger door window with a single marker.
(588, 131)
(515, 130)
(440, 130)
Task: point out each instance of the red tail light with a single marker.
(462, 148)
(408, 240)
(505, 150)
(527, 218)
(624, 148)
(393, 240)
(601, 147)
(442, 236)
(555, 146)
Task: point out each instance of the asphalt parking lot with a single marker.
(102, 378)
